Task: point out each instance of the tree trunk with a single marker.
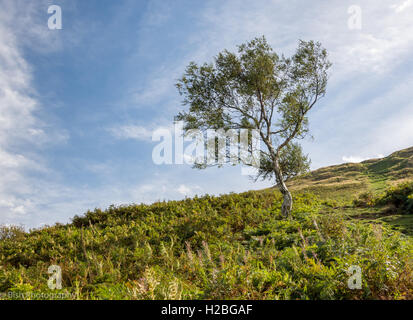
(287, 198)
(287, 203)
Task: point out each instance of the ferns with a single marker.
(230, 247)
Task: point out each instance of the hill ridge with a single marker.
(233, 246)
(350, 179)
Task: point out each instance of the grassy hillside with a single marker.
(343, 182)
(235, 246)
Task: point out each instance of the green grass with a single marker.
(403, 223)
(234, 246)
(346, 181)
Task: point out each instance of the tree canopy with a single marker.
(258, 89)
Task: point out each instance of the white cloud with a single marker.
(21, 131)
(403, 6)
(354, 159)
(189, 190)
(156, 89)
(357, 159)
(138, 132)
(383, 43)
(184, 190)
(17, 123)
(132, 132)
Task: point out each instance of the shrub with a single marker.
(401, 196)
(365, 199)
(235, 246)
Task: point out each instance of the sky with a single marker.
(78, 105)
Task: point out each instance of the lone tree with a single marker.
(258, 89)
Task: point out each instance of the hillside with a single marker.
(343, 182)
(234, 246)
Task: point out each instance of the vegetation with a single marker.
(260, 90)
(236, 246)
(346, 181)
(293, 162)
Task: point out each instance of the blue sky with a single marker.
(78, 105)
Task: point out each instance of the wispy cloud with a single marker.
(21, 130)
(357, 159)
(17, 122)
(132, 132)
(403, 6)
(186, 190)
(138, 132)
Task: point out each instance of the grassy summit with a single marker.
(344, 181)
(234, 246)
